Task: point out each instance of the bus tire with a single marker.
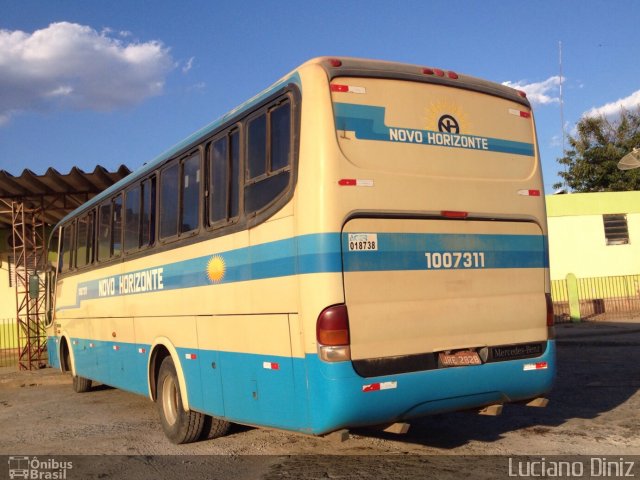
(179, 426)
(214, 428)
(81, 384)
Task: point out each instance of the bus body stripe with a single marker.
(338, 397)
(367, 121)
(323, 253)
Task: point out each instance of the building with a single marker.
(594, 234)
(594, 252)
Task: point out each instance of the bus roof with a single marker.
(335, 67)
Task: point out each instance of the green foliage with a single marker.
(591, 164)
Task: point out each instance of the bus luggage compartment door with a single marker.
(420, 286)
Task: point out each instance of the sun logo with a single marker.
(216, 269)
(435, 111)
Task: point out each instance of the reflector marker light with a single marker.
(521, 93)
(519, 113)
(142, 350)
(440, 73)
(374, 387)
(75, 342)
(454, 214)
(529, 193)
(347, 88)
(535, 366)
(116, 347)
(334, 62)
(190, 356)
(271, 365)
(91, 345)
(355, 182)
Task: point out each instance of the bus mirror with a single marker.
(34, 285)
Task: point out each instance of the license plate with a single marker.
(459, 359)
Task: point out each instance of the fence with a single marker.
(598, 298)
(8, 343)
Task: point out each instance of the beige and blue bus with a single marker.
(363, 243)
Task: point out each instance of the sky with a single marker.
(86, 83)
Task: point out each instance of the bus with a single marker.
(362, 243)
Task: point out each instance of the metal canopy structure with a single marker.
(28, 204)
(56, 194)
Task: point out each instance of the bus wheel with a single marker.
(179, 426)
(214, 428)
(81, 384)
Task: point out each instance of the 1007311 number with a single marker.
(446, 260)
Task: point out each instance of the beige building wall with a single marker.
(577, 242)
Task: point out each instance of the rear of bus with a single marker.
(438, 197)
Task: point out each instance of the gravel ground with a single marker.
(594, 409)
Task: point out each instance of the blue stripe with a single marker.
(407, 251)
(312, 396)
(321, 253)
(368, 123)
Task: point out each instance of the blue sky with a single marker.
(96, 82)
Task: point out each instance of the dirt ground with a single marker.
(594, 409)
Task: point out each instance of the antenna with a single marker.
(564, 180)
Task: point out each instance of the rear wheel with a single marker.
(81, 384)
(179, 425)
(214, 428)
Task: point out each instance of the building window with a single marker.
(615, 229)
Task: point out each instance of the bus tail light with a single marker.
(550, 320)
(332, 334)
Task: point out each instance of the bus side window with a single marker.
(234, 183)
(268, 157)
(218, 180)
(84, 254)
(132, 219)
(190, 194)
(104, 231)
(116, 228)
(148, 212)
(67, 248)
(224, 172)
(169, 201)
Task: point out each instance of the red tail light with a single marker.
(332, 327)
(549, 310)
(454, 214)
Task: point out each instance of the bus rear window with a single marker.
(435, 130)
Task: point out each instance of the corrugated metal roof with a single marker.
(57, 193)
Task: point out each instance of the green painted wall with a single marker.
(577, 243)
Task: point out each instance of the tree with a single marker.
(591, 165)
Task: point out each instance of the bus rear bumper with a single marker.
(340, 398)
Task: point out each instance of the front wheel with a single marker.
(179, 426)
